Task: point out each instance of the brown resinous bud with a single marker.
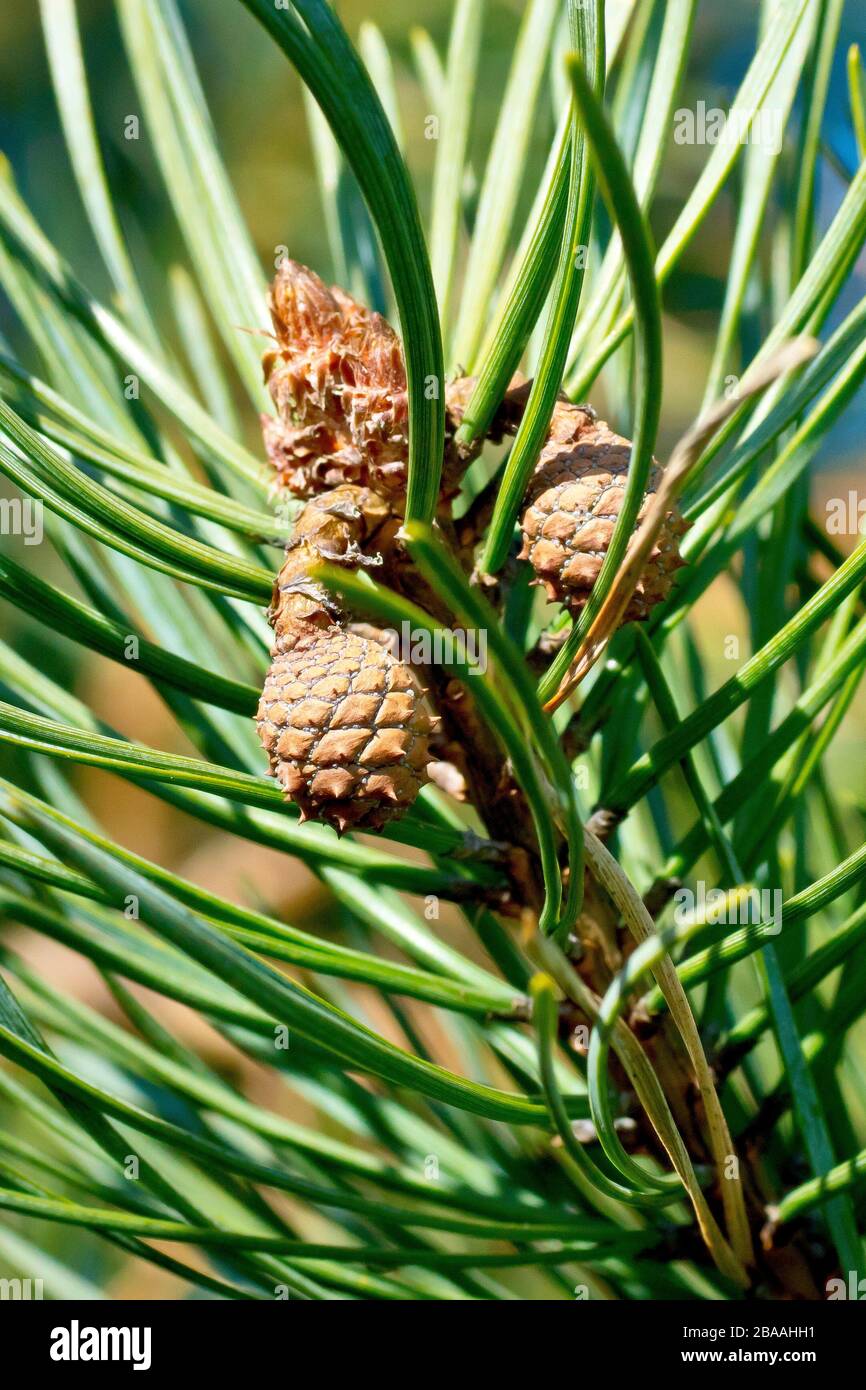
(337, 378)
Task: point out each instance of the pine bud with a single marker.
(573, 503)
(338, 381)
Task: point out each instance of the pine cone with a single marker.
(574, 500)
(342, 721)
(345, 729)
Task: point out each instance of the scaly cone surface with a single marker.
(573, 502)
(342, 721)
(344, 728)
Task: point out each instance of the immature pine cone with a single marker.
(341, 720)
(574, 499)
(345, 730)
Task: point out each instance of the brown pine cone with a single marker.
(342, 720)
(345, 729)
(574, 500)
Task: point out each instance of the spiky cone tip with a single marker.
(337, 378)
